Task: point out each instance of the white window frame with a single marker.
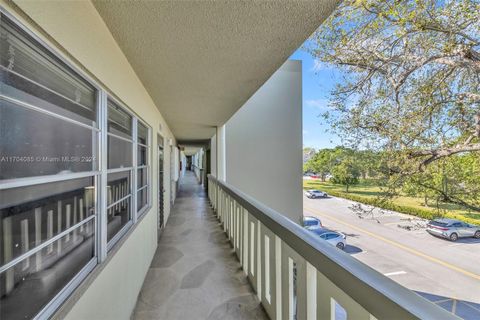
(132, 219)
(147, 167)
(100, 175)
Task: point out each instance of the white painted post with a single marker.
(259, 261)
(8, 253)
(245, 242)
(50, 230)
(311, 292)
(59, 226)
(278, 276)
(109, 196)
(24, 242)
(75, 218)
(267, 269)
(80, 204)
(89, 202)
(38, 238)
(237, 230)
(252, 249)
(68, 209)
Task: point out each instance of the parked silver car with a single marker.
(313, 194)
(452, 229)
(312, 222)
(336, 239)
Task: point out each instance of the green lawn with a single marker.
(367, 191)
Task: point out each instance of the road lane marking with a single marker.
(396, 273)
(399, 245)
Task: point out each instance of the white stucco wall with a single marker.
(221, 156)
(183, 160)
(213, 156)
(77, 32)
(264, 143)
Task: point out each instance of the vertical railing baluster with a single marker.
(237, 230)
(311, 292)
(38, 238)
(240, 234)
(294, 291)
(245, 241)
(50, 229)
(231, 221)
(8, 253)
(75, 218)
(59, 226)
(259, 260)
(80, 206)
(278, 277)
(68, 212)
(252, 251)
(24, 242)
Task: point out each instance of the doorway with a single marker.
(161, 188)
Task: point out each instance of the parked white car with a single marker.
(314, 194)
(452, 229)
(312, 222)
(336, 239)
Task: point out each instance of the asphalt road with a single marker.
(444, 272)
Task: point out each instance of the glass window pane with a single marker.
(119, 121)
(118, 186)
(142, 156)
(36, 144)
(118, 216)
(29, 285)
(31, 215)
(142, 198)
(142, 176)
(119, 153)
(142, 134)
(32, 74)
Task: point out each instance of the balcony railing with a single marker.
(297, 276)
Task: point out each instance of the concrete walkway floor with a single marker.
(195, 274)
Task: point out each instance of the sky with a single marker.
(318, 81)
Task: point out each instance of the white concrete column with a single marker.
(221, 152)
(213, 155)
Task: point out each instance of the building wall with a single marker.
(183, 160)
(221, 167)
(76, 29)
(264, 143)
(213, 155)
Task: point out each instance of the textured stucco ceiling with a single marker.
(189, 151)
(201, 60)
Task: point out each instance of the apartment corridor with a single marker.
(194, 273)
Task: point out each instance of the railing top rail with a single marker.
(379, 295)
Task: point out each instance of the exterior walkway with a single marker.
(195, 274)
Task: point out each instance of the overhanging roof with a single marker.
(201, 60)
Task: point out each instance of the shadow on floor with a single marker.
(352, 249)
(464, 309)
